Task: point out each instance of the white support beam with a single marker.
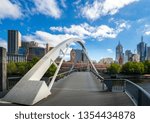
(56, 72)
(54, 63)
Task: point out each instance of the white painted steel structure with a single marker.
(29, 90)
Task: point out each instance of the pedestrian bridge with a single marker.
(75, 88)
(84, 89)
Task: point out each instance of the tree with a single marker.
(146, 67)
(35, 60)
(31, 63)
(133, 68)
(114, 68)
(11, 68)
(51, 70)
(21, 68)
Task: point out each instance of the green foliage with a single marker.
(133, 68)
(50, 71)
(11, 68)
(147, 66)
(35, 60)
(21, 68)
(114, 68)
(30, 64)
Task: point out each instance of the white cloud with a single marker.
(76, 2)
(97, 9)
(9, 10)
(48, 7)
(147, 33)
(86, 31)
(104, 31)
(63, 3)
(146, 29)
(59, 29)
(110, 50)
(3, 43)
(45, 37)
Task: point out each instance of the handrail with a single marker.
(137, 94)
(139, 87)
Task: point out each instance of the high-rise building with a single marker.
(25, 44)
(148, 53)
(119, 54)
(15, 54)
(141, 50)
(128, 56)
(3, 69)
(24, 48)
(14, 41)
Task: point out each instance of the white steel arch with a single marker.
(30, 89)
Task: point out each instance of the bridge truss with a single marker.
(30, 89)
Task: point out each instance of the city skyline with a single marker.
(100, 23)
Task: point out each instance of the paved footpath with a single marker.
(82, 89)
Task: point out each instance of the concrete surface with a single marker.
(82, 89)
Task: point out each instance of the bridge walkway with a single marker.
(83, 89)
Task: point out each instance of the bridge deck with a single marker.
(83, 89)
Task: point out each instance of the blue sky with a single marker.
(100, 23)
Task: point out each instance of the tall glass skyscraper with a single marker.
(148, 53)
(119, 54)
(141, 50)
(14, 41)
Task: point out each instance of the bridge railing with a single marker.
(12, 81)
(137, 94)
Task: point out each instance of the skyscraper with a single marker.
(3, 69)
(141, 50)
(14, 41)
(119, 54)
(148, 53)
(128, 56)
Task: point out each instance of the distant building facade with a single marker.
(127, 56)
(148, 53)
(15, 54)
(119, 54)
(48, 48)
(106, 61)
(77, 56)
(14, 41)
(16, 57)
(135, 58)
(33, 44)
(35, 52)
(141, 50)
(3, 69)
